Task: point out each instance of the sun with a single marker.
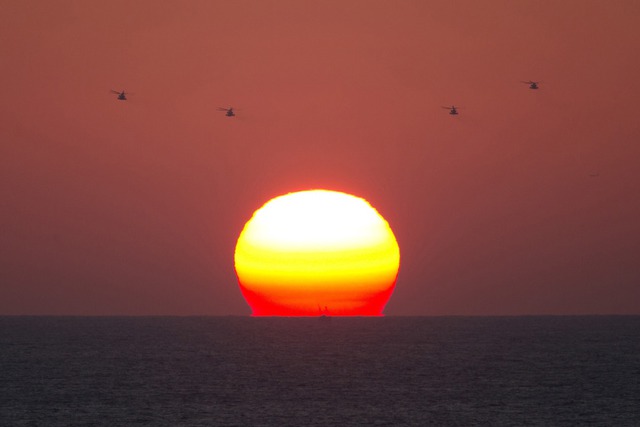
(317, 252)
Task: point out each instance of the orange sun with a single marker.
(317, 252)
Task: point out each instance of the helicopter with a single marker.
(121, 95)
(532, 84)
(229, 111)
(452, 110)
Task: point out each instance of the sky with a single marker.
(525, 203)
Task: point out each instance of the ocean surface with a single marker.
(389, 371)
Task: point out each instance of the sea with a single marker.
(379, 371)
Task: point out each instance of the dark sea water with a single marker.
(392, 371)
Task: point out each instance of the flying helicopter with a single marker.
(532, 84)
(452, 110)
(229, 111)
(121, 95)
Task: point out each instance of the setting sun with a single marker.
(317, 252)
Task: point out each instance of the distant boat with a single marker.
(324, 314)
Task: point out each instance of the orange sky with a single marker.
(134, 208)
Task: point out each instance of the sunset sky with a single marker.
(527, 202)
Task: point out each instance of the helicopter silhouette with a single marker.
(121, 95)
(532, 84)
(229, 111)
(452, 110)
